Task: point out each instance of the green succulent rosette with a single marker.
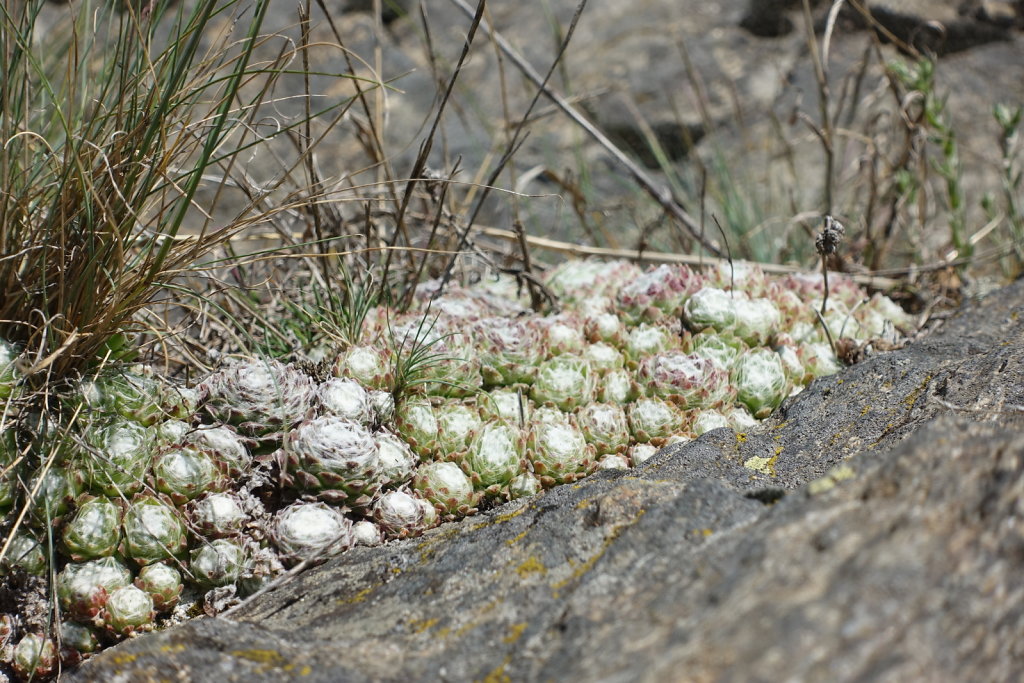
(559, 452)
(35, 657)
(712, 308)
(56, 487)
(184, 472)
(605, 327)
(523, 486)
(513, 405)
(163, 583)
(618, 386)
(458, 424)
(447, 487)
(83, 588)
(416, 423)
(400, 514)
(80, 637)
(219, 513)
(510, 350)
(371, 366)
(25, 553)
(653, 420)
(118, 456)
(564, 381)
(495, 457)
(657, 294)
(10, 377)
(333, 458)
(603, 357)
(136, 395)
(562, 334)
(722, 348)
(153, 531)
(397, 459)
(230, 450)
(760, 381)
(757, 320)
(688, 380)
(94, 530)
(646, 340)
(262, 398)
(706, 420)
(604, 425)
(345, 397)
(128, 610)
(219, 562)
(310, 531)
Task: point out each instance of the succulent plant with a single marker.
(652, 419)
(56, 487)
(83, 588)
(25, 553)
(94, 530)
(512, 405)
(229, 449)
(740, 418)
(613, 461)
(446, 486)
(171, 432)
(383, 403)
(495, 457)
(757, 320)
(760, 381)
(603, 357)
(163, 583)
(183, 473)
(307, 531)
(346, 398)
(710, 308)
(119, 455)
(35, 657)
(605, 327)
(10, 377)
(335, 459)
(219, 562)
(260, 397)
(658, 293)
(564, 381)
(724, 348)
(128, 610)
(417, 425)
(574, 281)
(135, 395)
(396, 459)
(510, 350)
(524, 486)
(399, 514)
(371, 366)
(80, 637)
(617, 386)
(367, 533)
(688, 380)
(153, 531)
(604, 425)
(559, 452)
(562, 333)
(450, 366)
(706, 420)
(639, 453)
(646, 340)
(217, 514)
(458, 423)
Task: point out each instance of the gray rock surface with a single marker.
(871, 531)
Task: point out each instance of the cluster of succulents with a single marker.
(147, 501)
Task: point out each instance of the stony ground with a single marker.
(870, 532)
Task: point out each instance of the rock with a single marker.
(870, 531)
